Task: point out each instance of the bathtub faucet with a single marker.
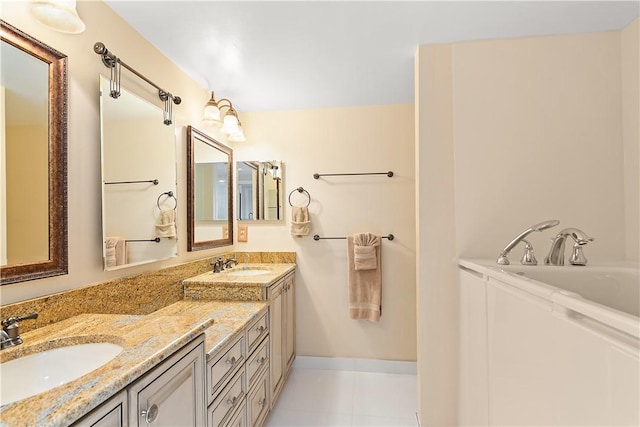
(556, 253)
(528, 258)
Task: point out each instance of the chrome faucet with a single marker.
(228, 261)
(218, 265)
(10, 335)
(556, 253)
(528, 258)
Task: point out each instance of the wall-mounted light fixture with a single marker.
(229, 121)
(58, 15)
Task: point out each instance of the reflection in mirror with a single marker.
(209, 183)
(259, 194)
(33, 158)
(138, 181)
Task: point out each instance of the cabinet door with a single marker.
(289, 324)
(275, 319)
(173, 393)
(473, 402)
(112, 413)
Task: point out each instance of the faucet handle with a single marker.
(528, 258)
(15, 319)
(577, 257)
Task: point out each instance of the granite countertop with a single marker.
(147, 340)
(233, 285)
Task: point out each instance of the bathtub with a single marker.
(549, 345)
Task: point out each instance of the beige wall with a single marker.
(536, 133)
(630, 52)
(334, 140)
(84, 191)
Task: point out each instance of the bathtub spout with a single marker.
(556, 253)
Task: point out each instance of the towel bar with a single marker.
(157, 240)
(318, 175)
(153, 181)
(316, 237)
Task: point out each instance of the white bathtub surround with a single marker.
(542, 345)
(325, 391)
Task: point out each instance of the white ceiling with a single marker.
(269, 55)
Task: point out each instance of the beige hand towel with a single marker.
(300, 223)
(365, 287)
(115, 252)
(166, 223)
(364, 251)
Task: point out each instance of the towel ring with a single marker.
(168, 194)
(300, 190)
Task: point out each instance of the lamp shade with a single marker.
(211, 111)
(230, 124)
(59, 15)
(238, 136)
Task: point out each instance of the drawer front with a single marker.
(258, 402)
(230, 398)
(224, 366)
(258, 360)
(256, 332)
(239, 419)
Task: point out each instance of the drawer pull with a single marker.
(261, 360)
(151, 414)
(231, 361)
(260, 329)
(263, 401)
(232, 401)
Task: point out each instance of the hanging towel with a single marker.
(166, 223)
(300, 223)
(365, 286)
(115, 252)
(364, 251)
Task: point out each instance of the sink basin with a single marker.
(255, 272)
(40, 372)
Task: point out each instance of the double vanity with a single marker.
(218, 356)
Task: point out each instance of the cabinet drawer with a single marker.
(112, 413)
(256, 332)
(258, 402)
(239, 419)
(258, 360)
(229, 399)
(220, 369)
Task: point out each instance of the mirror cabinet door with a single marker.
(139, 201)
(259, 191)
(209, 184)
(33, 156)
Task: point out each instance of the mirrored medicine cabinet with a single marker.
(139, 197)
(33, 158)
(209, 192)
(259, 195)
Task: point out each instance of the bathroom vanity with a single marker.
(219, 356)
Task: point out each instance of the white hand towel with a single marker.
(300, 223)
(364, 251)
(166, 223)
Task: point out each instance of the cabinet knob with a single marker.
(231, 361)
(232, 401)
(260, 329)
(261, 360)
(150, 414)
(263, 401)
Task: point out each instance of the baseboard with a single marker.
(357, 365)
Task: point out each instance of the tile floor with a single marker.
(316, 397)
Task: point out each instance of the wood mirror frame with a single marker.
(195, 136)
(57, 264)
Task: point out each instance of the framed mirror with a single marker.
(139, 201)
(209, 192)
(259, 191)
(33, 161)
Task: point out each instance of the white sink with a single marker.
(255, 272)
(39, 372)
